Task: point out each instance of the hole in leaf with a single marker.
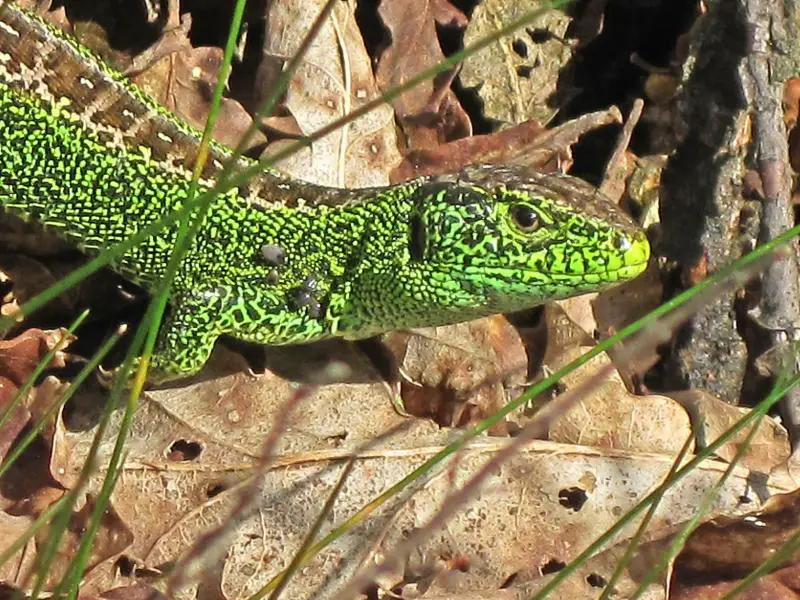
(595, 580)
(539, 35)
(524, 71)
(125, 566)
(184, 450)
(573, 498)
(215, 489)
(520, 47)
(553, 566)
(509, 581)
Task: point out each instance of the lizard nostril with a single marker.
(622, 243)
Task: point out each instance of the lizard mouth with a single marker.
(631, 261)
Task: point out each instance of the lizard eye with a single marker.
(525, 218)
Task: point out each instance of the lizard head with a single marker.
(501, 238)
(488, 239)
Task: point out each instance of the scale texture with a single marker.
(278, 261)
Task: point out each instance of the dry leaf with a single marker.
(517, 75)
(609, 416)
(711, 417)
(525, 144)
(20, 356)
(430, 113)
(113, 536)
(461, 373)
(334, 79)
(729, 548)
(16, 569)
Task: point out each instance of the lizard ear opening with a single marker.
(418, 238)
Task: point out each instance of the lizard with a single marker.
(88, 155)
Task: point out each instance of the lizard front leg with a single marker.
(187, 334)
(244, 312)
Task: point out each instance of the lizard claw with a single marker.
(106, 377)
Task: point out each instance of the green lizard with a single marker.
(85, 153)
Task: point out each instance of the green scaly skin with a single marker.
(88, 155)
